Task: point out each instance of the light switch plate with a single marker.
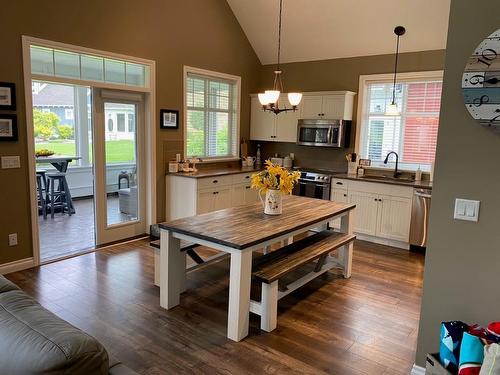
(466, 209)
(9, 162)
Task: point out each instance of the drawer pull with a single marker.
(215, 192)
(247, 187)
(215, 181)
(339, 183)
(247, 177)
(345, 195)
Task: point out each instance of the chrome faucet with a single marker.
(396, 173)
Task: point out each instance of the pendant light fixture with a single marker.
(392, 109)
(270, 98)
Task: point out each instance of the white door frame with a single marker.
(150, 128)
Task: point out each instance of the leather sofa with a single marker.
(35, 341)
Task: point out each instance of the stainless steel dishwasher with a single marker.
(420, 217)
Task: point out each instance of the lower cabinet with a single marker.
(378, 212)
(213, 200)
(366, 212)
(190, 196)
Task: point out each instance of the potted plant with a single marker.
(274, 181)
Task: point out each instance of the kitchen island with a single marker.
(239, 231)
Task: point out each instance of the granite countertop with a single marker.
(424, 184)
(215, 172)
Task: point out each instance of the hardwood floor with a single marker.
(365, 325)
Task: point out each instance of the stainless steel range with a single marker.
(313, 185)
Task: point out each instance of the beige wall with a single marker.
(199, 33)
(338, 74)
(461, 268)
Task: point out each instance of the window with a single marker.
(120, 120)
(212, 114)
(131, 123)
(412, 134)
(68, 114)
(60, 63)
(110, 125)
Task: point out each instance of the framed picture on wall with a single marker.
(8, 128)
(7, 96)
(169, 119)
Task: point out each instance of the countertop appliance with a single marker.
(324, 133)
(313, 185)
(420, 217)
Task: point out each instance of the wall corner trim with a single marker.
(17, 265)
(417, 370)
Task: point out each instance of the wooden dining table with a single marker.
(239, 231)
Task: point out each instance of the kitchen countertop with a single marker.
(215, 172)
(424, 184)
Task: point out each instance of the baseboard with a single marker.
(383, 241)
(417, 370)
(17, 265)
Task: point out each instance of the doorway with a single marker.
(89, 167)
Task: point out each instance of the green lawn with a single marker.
(116, 151)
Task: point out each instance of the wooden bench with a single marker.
(270, 268)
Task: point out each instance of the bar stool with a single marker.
(41, 184)
(58, 195)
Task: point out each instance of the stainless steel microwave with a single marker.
(325, 133)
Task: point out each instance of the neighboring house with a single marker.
(60, 99)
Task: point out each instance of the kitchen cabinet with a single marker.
(366, 212)
(337, 105)
(382, 211)
(394, 218)
(193, 196)
(341, 196)
(266, 126)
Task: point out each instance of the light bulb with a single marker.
(272, 96)
(263, 99)
(294, 98)
(392, 110)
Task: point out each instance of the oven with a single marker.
(325, 133)
(313, 185)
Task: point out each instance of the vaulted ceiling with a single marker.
(329, 29)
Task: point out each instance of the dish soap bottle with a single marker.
(258, 161)
(418, 174)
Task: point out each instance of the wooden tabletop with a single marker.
(55, 159)
(244, 226)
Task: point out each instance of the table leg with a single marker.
(239, 295)
(172, 270)
(347, 250)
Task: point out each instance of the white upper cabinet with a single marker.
(261, 122)
(266, 126)
(312, 106)
(333, 105)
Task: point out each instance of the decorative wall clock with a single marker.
(481, 82)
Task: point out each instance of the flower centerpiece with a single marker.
(274, 181)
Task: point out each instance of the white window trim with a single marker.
(365, 80)
(216, 75)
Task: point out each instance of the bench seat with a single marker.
(270, 268)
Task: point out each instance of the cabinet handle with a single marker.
(247, 187)
(376, 200)
(345, 195)
(247, 177)
(339, 183)
(215, 181)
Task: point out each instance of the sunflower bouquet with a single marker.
(275, 177)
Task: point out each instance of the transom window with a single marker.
(212, 114)
(413, 133)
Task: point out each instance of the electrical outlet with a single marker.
(13, 239)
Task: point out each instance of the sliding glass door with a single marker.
(119, 165)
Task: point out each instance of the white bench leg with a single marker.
(269, 306)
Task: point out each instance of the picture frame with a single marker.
(8, 128)
(169, 119)
(7, 96)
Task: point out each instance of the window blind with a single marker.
(211, 108)
(412, 134)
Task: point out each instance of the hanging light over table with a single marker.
(392, 109)
(270, 98)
